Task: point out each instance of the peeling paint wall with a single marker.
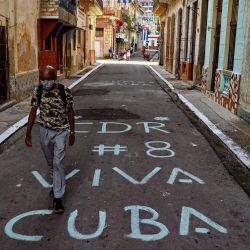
(26, 35)
(244, 107)
(3, 11)
(23, 45)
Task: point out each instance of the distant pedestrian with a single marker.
(125, 54)
(110, 53)
(131, 50)
(128, 54)
(56, 116)
(143, 50)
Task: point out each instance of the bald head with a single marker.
(48, 72)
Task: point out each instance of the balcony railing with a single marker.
(69, 5)
(100, 3)
(109, 11)
(91, 3)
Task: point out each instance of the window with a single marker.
(99, 32)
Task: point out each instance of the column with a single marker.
(239, 43)
(209, 51)
(224, 34)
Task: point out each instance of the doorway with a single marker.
(179, 39)
(216, 43)
(4, 64)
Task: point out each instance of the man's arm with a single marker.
(31, 121)
(71, 117)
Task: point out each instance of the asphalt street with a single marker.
(140, 176)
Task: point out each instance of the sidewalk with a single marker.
(13, 118)
(230, 125)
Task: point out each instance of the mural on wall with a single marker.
(229, 101)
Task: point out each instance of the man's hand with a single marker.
(31, 120)
(28, 140)
(71, 139)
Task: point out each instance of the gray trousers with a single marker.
(53, 144)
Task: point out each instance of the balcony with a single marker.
(95, 7)
(68, 5)
(109, 11)
(160, 7)
(64, 10)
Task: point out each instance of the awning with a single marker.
(54, 27)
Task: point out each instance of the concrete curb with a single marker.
(20, 124)
(236, 149)
(7, 105)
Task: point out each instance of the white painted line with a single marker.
(188, 181)
(11, 130)
(236, 149)
(240, 153)
(127, 62)
(162, 78)
(85, 76)
(18, 125)
(202, 230)
(96, 180)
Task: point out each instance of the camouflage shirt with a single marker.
(52, 109)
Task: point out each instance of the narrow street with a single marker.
(140, 176)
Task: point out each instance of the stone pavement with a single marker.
(231, 125)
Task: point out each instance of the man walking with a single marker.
(110, 53)
(56, 116)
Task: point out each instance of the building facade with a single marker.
(60, 33)
(117, 27)
(207, 41)
(93, 8)
(183, 30)
(57, 20)
(225, 40)
(106, 29)
(244, 97)
(18, 49)
(149, 22)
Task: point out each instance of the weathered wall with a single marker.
(23, 50)
(49, 8)
(24, 35)
(244, 107)
(4, 11)
(172, 11)
(91, 40)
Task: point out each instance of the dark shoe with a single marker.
(58, 206)
(51, 193)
